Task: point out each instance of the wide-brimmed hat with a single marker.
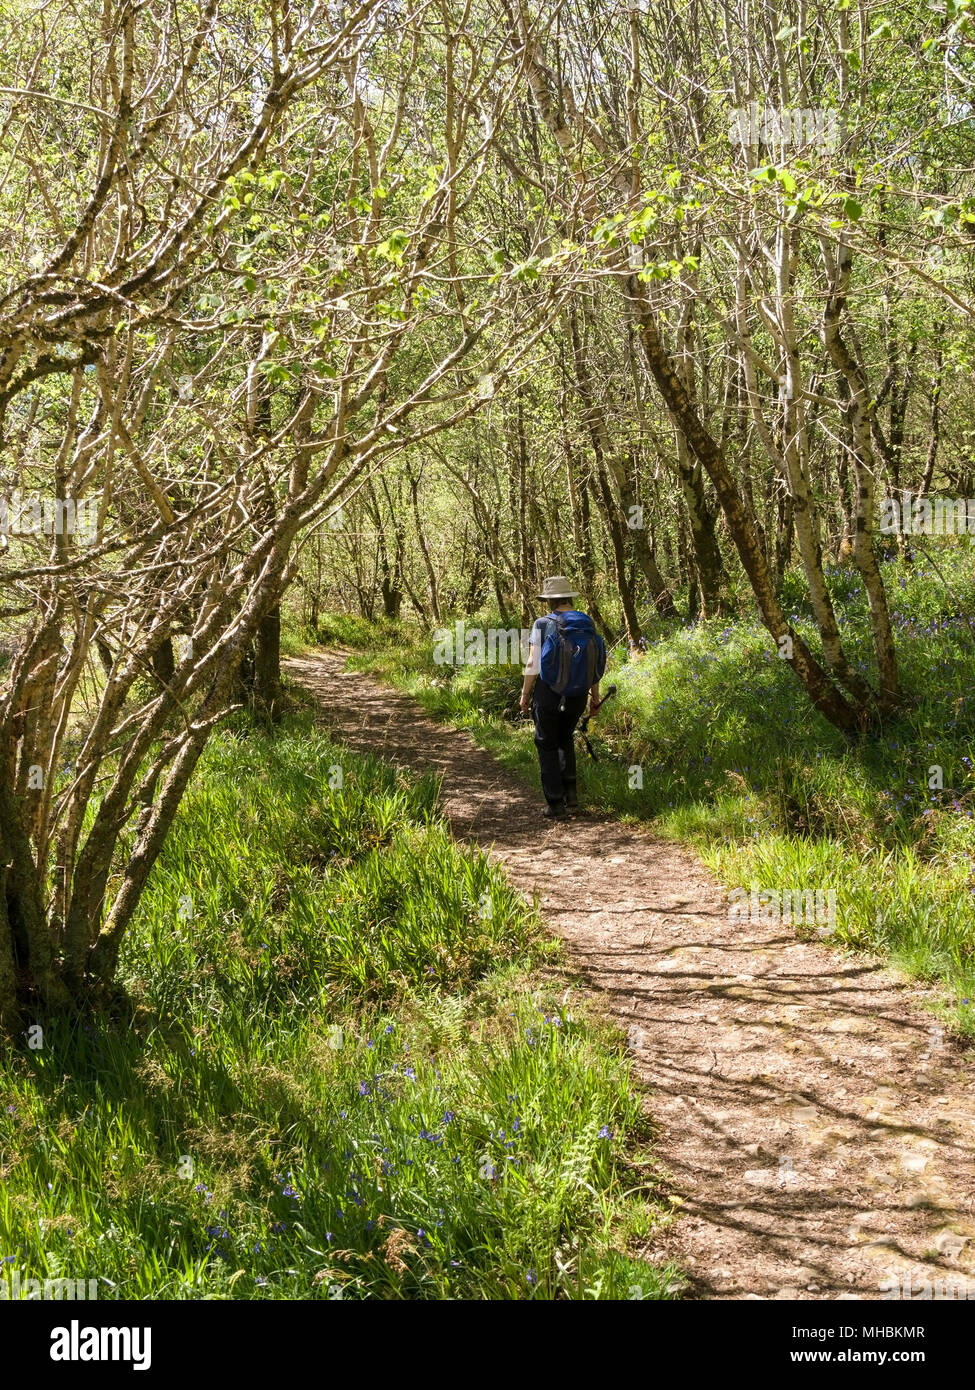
(557, 586)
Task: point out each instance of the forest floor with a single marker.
(814, 1125)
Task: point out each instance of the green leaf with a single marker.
(393, 247)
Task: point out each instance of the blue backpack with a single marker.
(573, 653)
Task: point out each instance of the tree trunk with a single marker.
(267, 665)
(580, 531)
(859, 408)
(163, 662)
(9, 1006)
(621, 497)
(935, 434)
(704, 543)
(707, 555)
(425, 552)
(618, 542)
(789, 453)
(817, 684)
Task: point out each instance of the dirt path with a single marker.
(819, 1131)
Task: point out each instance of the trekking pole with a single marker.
(583, 725)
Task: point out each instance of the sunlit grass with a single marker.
(344, 1072)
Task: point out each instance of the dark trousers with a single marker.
(554, 728)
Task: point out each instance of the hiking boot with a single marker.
(571, 800)
(554, 810)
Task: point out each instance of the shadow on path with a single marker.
(818, 1130)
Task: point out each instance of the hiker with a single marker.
(566, 660)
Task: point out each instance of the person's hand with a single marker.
(525, 703)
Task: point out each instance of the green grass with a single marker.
(349, 1068)
(734, 760)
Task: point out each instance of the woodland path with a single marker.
(819, 1133)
